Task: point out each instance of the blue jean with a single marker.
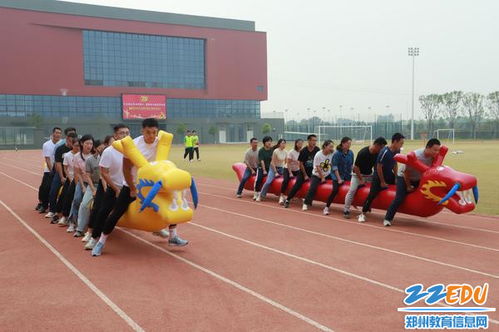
(399, 197)
(54, 191)
(246, 176)
(270, 177)
(75, 206)
(84, 210)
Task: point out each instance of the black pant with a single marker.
(334, 192)
(119, 209)
(189, 152)
(399, 197)
(373, 193)
(300, 180)
(259, 179)
(44, 189)
(285, 179)
(106, 206)
(99, 195)
(315, 181)
(196, 149)
(68, 198)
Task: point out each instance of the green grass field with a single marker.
(480, 158)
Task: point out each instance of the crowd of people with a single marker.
(374, 164)
(87, 184)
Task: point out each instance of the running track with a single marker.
(249, 266)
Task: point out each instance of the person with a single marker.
(147, 144)
(91, 176)
(264, 159)
(251, 162)
(306, 159)
(408, 178)
(59, 178)
(362, 171)
(291, 169)
(195, 145)
(321, 171)
(188, 145)
(342, 169)
(386, 168)
(86, 150)
(111, 170)
(48, 159)
(66, 197)
(276, 167)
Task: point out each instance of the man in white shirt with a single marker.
(48, 150)
(147, 145)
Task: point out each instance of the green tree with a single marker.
(266, 128)
(181, 128)
(35, 120)
(213, 131)
(473, 106)
(451, 102)
(430, 105)
(493, 107)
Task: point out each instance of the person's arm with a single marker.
(66, 170)
(104, 183)
(273, 162)
(88, 179)
(379, 169)
(127, 173)
(336, 162)
(356, 170)
(48, 162)
(104, 171)
(58, 168)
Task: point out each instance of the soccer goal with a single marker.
(294, 135)
(445, 135)
(358, 134)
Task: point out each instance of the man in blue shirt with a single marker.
(386, 168)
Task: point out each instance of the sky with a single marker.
(327, 53)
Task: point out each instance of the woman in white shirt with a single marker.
(291, 169)
(276, 167)
(321, 172)
(66, 197)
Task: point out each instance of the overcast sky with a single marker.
(354, 53)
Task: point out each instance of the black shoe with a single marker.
(38, 207)
(54, 220)
(286, 204)
(42, 210)
(346, 214)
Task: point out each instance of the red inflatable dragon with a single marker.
(440, 187)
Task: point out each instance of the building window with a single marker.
(126, 59)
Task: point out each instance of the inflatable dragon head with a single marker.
(161, 188)
(440, 185)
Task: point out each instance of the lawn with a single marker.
(480, 158)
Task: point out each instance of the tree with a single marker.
(451, 102)
(181, 128)
(473, 106)
(266, 128)
(213, 131)
(493, 106)
(430, 105)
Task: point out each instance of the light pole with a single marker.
(413, 52)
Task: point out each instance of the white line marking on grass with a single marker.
(81, 276)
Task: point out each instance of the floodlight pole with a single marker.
(413, 52)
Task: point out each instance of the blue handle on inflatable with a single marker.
(150, 196)
(475, 193)
(451, 193)
(194, 193)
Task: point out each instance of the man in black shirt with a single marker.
(306, 159)
(362, 171)
(59, 176)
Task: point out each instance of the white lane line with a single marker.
(362, 244)
(81, 276)
(379, 228)
(233, 283)
(22, 169)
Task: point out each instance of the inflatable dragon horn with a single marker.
(161, 188)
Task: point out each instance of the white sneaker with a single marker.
(50, 215)
(239, 195)
(304, 207)
(62, 222)
(325, 211)
(71, 228)
(164, 233)
(281, 200)
(87, 237)
(90, 244)
(362, 218)
(259, 198)
(255, 196)
(387, 223)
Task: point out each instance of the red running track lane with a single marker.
(237, 229)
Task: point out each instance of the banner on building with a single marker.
(144, 106)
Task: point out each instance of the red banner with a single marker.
(144, 106)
